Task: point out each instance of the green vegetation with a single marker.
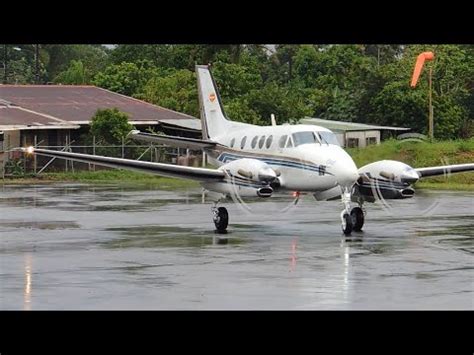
(123, 177)
(359, 83)
(424, 154)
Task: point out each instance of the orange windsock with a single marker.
(419, 66)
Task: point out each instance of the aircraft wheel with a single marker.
(357, 219)
(221, 219)
(346, 223)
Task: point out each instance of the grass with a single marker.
(123, 177)
(424, 154)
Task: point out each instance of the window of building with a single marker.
(352, 142)
(371, 140)
(254, 142)
(261, 141)
(269, 141)
(232, 142)
(1, 142)
(282, 141)
(242, 143)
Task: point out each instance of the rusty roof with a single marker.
(78, 103)
(12, 117)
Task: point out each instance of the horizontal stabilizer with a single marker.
(173, 141)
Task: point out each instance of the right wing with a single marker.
(185, 172)
(181, 142)
(446, 169)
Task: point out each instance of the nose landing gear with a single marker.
(351, 220)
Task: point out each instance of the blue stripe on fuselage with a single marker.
(226, 157)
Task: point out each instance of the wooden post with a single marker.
(430, 114)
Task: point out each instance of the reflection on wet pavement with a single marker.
(77, 246)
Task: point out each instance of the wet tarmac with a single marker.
(77, 246)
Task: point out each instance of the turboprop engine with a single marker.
(389, 179)
(252, 174)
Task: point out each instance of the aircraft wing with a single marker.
(181, 142)
(185, 172)
(446, 169)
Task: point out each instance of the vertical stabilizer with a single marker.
(214, 122)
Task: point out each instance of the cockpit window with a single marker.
(328, 138)
(304, 138)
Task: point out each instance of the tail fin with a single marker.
(214, 121)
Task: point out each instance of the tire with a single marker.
(357, 219)
(346, 224)
(222, 219)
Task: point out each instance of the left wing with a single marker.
(446, 169)
(185, 172)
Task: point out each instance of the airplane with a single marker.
(260, 161)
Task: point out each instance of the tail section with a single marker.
(214, 122)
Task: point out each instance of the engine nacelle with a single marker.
(390, 170)
(388, 179)
(250, 170)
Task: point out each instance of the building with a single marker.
(352, 135)
(57, 115)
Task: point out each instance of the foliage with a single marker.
(360, 83)
(74, 75)
(176, 91)
(110, 126)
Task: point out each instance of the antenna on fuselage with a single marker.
(274, 122)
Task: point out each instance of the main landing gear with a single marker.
(351, 220)
(220, 217)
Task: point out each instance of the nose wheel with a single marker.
(357, 216)
(351, 219)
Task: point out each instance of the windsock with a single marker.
(420, 61)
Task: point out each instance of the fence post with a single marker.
(66, 147)
(34, 155)
(93, 151)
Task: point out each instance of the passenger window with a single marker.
(242, 143)
(289, 144)
(232, 142)
(269, 141)
(254, 142)
(261, 141)
(282, 141)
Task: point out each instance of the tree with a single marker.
(126, 78)
(74, 75)
(57, 58)
(110, 126)
(176, 91)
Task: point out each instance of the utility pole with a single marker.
(420, 61)
(430, 105)
(5, 61)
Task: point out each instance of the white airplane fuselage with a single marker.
(307, 167)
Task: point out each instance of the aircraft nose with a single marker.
(345, 171)
(347, 176)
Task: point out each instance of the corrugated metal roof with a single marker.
(15, 118)
(76, 103)
(348, 126)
